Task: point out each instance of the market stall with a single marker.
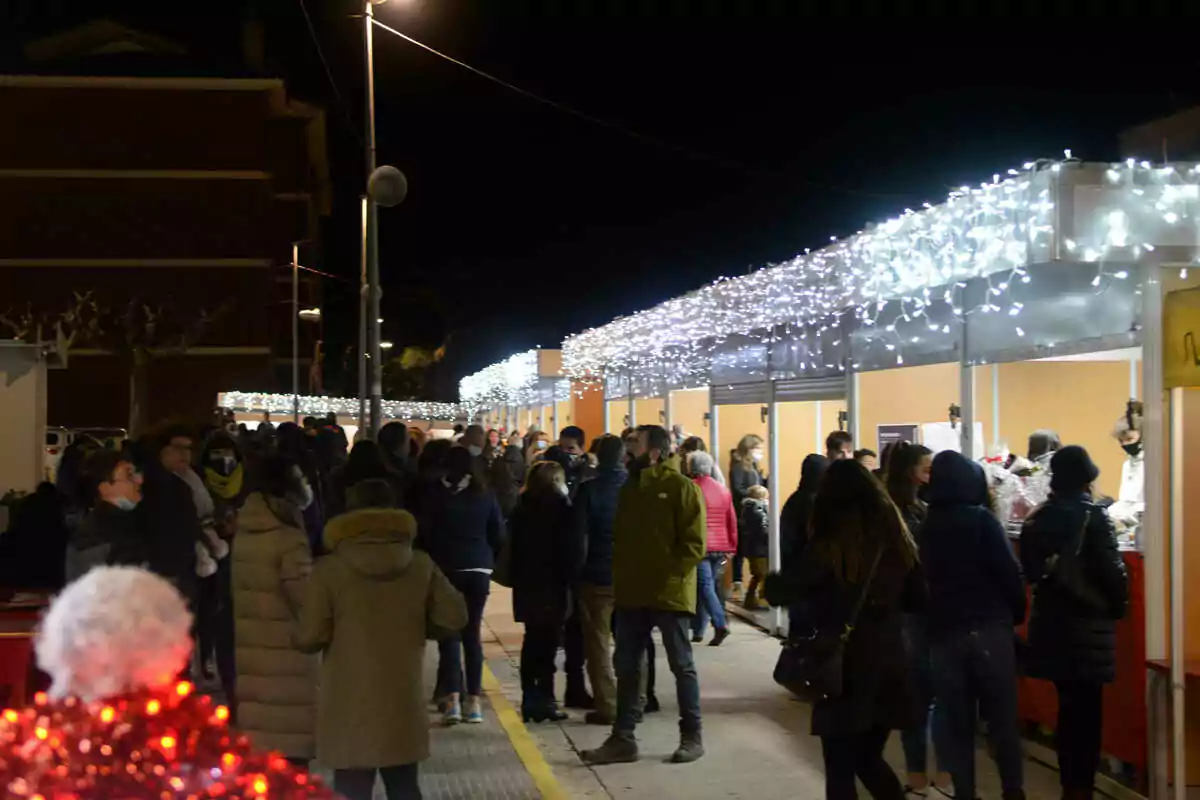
(1031, 301)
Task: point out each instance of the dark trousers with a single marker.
(223, 629)
(859, 755)
(975, 671)
(572, 645)
(538, 652)
(1078, 736)
(651, 654)
(399, 782)
(475, 587)
(633, 631)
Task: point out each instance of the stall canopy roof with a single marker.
(1106, 214)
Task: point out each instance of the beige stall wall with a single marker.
(547, 413)
(1081, 400)
(734, 422)
(564, 418)
(23, 409)
(688, 407)
(648, 410)
(906, 395)
(617, 410)
(802, 430)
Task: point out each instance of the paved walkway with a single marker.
(756, 737)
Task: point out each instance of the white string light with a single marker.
(511, 382)
(994, 232)
(258, 402)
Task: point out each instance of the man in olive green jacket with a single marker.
(658, 539)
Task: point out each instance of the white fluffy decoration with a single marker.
(115, 630)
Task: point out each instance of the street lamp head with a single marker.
(387, 186)
(310, 314)
(385, 345)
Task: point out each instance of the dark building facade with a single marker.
(152, 218)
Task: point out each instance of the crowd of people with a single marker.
(920, 545)
(286, 544)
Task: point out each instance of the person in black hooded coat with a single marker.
(1072, 634)
(976, 598)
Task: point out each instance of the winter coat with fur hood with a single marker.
(370, 605)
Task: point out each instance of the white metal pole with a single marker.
(966, 382)
(774, 554)
(714, 428)
(996, 405)
(554, 420)
(363, 310)
(296, 332)
(1178, 667)
(632, 405)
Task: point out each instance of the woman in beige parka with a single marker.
(276, 688)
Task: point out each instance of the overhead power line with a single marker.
(337, 93)
(617, 127)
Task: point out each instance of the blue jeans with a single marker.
(977, 668)
(709, 602)
(475, 587)
(633, 632)
(932, 720)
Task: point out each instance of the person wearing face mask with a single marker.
(168, 510)
(539, 443)
(745, 471)
(109, 534)
(276, 683)
(460, 525)
(1131, 500)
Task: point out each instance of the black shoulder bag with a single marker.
(810, 667)
(1067, 571)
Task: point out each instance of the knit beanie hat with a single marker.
(1072, 470)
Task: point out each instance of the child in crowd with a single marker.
(756, 541)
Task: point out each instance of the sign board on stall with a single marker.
(893, 434)
(939, 436)
(1181, 338)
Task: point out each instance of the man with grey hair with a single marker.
(721, 524)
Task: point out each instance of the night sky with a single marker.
(731, 142)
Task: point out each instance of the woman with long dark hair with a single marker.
(545, 557)
(859, 548)
(907, 471)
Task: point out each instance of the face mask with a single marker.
(474, 449)
(562, 489)
(757, 455)
(1132, 448)
(542, 445)
(124, 503)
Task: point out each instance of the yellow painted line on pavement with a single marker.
(521, 740)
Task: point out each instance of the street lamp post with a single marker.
(296, 332)
(372, 233)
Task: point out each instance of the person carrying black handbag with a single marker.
(859, 550)
(1069, 554)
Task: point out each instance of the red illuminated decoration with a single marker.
(165, 743)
